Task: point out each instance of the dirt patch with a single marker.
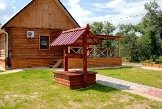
(121, 98)
(74, 105)
(137, 106)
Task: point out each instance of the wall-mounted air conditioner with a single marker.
(30, 34)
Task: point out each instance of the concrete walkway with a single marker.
(146, 91)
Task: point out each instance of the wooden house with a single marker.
(2, 50)
(30, 32)
(25, 39)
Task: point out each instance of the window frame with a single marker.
(47, 44)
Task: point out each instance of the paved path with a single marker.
(146, 91)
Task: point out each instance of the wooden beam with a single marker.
(94, 47)
(73, 55)
(65, 59)
(80, 44)
(84, 60)
(109, 37)
(118, 47)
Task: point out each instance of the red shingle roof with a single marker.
(73, 36)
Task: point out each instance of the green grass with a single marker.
(1, 71)
(137, 75)
(35, 89)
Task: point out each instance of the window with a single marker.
(44, 42)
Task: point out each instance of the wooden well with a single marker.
(76, 37)
(74, 79)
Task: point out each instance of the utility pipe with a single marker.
(6, 45)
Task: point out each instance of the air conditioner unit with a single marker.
(30, 34)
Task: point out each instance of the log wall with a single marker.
(2, 64)
(2, 51)
(42, 14)
(95, 62)
(25, 52)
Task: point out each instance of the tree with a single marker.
(153, 28)
(97, 27)
(144, 48)
(105, 28)
(108, 29)
(129, 45)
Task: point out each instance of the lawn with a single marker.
(35, 89)
(137, 75)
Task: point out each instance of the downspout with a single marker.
(6, 44)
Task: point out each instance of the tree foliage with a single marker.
(97, 27)
(142, 41)
(104, 28)
(129, 45)
(152, 23)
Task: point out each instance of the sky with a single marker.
(88, 11)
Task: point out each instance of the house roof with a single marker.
(75, 37)
(57, 1)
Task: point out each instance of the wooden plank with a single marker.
(73, 55)
(2, 51)
(58, 63)
(95, 62)
(29, 62)
(2, 64)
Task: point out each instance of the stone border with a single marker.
(152, 65)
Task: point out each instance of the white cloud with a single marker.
(91, 10)
(2, 6)
(114, 9)
(6, 9)
(78, 12)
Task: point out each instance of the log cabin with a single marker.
(26, 37)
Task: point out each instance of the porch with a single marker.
(97, 57)
(100, 55)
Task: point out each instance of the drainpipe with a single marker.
(6, 45)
